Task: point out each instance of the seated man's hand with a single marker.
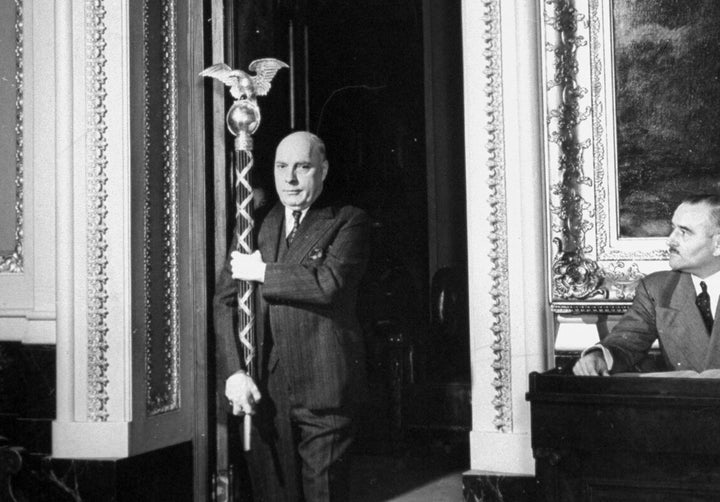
(247, 267)
(591, 364)
(241, 391)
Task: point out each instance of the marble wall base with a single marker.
(494, 487)
(161, 475)
(27, 395)
(27, 380)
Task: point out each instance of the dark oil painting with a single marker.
(667, 98)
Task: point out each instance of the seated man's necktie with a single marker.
(703, 304)
(296, 223)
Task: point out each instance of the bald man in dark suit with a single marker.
(677, 307)
(311, 370)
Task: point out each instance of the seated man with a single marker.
(674, 306)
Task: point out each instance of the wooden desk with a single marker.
(625, 438)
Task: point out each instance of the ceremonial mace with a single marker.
(242, 120)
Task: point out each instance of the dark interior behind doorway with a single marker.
(380, 81)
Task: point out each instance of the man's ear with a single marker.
(716, 244)
(325, 167)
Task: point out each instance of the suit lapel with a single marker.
(313, 227)
(688, 323)
(270, 231)
(268, 238)
(713, 358)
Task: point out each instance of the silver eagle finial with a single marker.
(243, 85)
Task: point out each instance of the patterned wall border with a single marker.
(169, 398)
(502, 382)
(97, 179)
(13, 263)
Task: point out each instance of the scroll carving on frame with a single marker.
(629, 131)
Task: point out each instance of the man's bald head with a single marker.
(316, 143)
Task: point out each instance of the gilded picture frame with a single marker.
(610, 192)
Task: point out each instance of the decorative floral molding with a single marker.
(502, 382)
(97, 212)
(13, 263)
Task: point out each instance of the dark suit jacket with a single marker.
(664, 308)
(306, 306)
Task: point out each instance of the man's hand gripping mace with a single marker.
(242, 120)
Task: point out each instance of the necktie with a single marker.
(703, 304)
(296, 224)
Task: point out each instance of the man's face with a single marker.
(299, 172)
(694, 242)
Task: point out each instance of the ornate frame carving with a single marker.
(13, 263)
(593, 270)
(166, 396)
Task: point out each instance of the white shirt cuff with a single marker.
(606, 354)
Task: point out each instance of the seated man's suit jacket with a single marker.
(306, 310)
(664, 308)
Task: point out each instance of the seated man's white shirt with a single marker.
(713, 288)
(606, 354)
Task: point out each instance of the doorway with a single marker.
(381, 82)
